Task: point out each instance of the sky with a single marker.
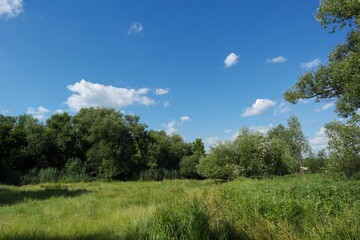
(197, 68)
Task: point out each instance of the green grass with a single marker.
(290, 207)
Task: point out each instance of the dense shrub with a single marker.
(188, 166)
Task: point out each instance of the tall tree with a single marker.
(339, 79)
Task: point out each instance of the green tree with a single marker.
(339, 79)
(198, 147)
(344, 147)
(221, 163)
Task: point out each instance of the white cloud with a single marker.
(283, 108)
(170, 128)
(10, 8)
(309, 65)
(228, 131)
(135, 28)
(279, 59)
(3, 112)
(211, 141)
(262, 129)
(325, 107)
(87, 94)
(161, 91)
(304, 101)
(260, 106)
(38, 113)
(185, 118)
(319, 141)
(166, 104)
(59, 111)
(231, 60)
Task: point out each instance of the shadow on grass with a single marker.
(10, 197)
(94, 236)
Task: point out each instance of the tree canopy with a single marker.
(339, 79)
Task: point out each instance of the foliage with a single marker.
(344, 146)
(94, 143)
(316, 164)
(188, 166)
(220, 163)
(339, 80)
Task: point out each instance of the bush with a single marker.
(188, 166)
(48, 175)
(221, 163)
(74, 171)
(31, 177)
(158, 174)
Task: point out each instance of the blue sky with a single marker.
(197, 68)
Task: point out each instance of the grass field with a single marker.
(291, 207)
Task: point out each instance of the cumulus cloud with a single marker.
(309, 65)
(38, 113)
(10, 8)
(231, 60)
(211, 141)
(260, 106)
(325, 107)
(87, 94)
(185, 118)
(262, 129)
(319, 141)
(59, 111)
(279, 59)
(170, 128)
(161, 91)
(135, 28)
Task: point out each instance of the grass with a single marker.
(291, 207)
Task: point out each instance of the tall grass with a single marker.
(290, 207)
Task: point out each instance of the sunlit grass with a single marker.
(282, 208)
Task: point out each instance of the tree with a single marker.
(188, 165)
(344, 146)
(339, 80)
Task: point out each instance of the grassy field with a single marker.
(291, 207)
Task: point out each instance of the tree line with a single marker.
(103, 143)
(94, 143)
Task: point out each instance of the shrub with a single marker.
(188, 166)
(221, 163)
(48, 175)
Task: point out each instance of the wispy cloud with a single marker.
(185, 118)
(135, 28)
(279, 59)
(231, 60)
(309, 65)
(282, 108)
(10, 8)
(161, 91)
(166, 104)
(319, 141)
(260, 106)
(228, 131)
(87, 94)
(38, 113)
(261, 129)
(325, 107)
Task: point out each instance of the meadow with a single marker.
(289, 207)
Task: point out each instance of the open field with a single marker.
(291, 207)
